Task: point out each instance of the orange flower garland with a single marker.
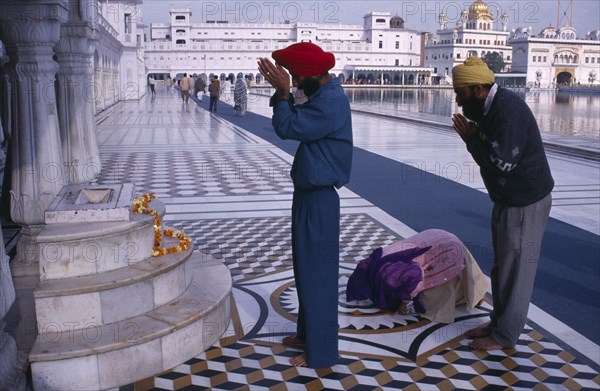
(140, 205)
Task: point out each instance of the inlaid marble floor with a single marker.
(230, 191)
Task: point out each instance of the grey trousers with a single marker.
(517, 234)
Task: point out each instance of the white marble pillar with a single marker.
(8, 346)
(4, 102)
(107, 91)
(7, 289)
(97, 83)
(75, 93)
(12, 362)
(30, 30)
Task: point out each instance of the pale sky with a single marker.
(419, 15)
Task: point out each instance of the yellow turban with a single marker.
(471, 73)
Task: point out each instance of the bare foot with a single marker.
(487, 343)
(293, 341)
(299, 361)
(485, 330)
(402, 310)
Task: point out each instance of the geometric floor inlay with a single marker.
(535, 364)
(380, 350)
(198, 173)
(251, 247)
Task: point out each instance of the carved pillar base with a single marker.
(26, 261)
(24, 268)
(13, 364)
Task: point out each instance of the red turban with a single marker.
(304, 59)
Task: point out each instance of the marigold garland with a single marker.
(140, 205)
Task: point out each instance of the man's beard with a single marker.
(309, 85)
(473, 108)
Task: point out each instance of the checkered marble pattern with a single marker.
(253, 247)
(379, 349)
(192, 173)
(535, 363)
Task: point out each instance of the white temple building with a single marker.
(381, 51)
(119, 57)
(556, 56)
(475, 33)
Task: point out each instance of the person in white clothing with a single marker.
(226, 90)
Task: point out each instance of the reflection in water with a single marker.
(556, 113)
(562, 98)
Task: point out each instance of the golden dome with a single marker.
(479, 10)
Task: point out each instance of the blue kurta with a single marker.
(322, 163)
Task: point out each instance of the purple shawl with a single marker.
(388, 280)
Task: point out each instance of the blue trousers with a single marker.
(315, 251)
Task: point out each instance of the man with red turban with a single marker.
(323, 126)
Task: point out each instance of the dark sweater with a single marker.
(509, 151)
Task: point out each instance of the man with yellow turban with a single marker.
(502, 135)
(323, 126)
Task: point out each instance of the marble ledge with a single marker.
(91, 203)
(195, 304)
(62, 232)
(112, 279)
(113, 305)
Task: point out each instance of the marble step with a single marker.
(116, 354)
(95, 300)
(78, 249)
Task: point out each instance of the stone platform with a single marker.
(104, 301)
